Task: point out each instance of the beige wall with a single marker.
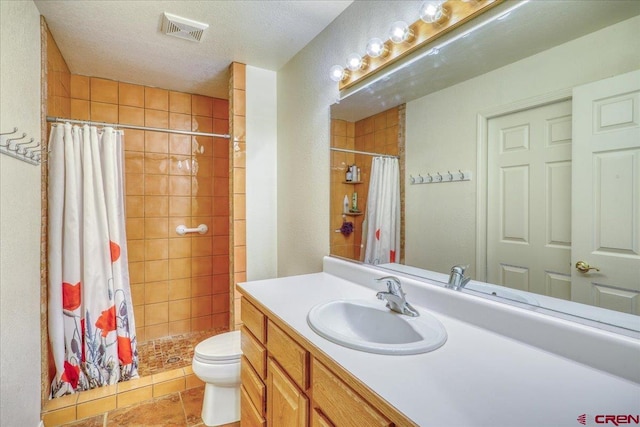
(20, 213)
(261, 173)
(441, 136)
(305, 93)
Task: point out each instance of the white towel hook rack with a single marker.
(19, 150)
(438, 178)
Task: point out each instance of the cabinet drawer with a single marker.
(249, 416)
(253, 319)
(340, 403)
(290, 355)
(253, 386)
(255, 353)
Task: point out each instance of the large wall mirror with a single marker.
(537, 106)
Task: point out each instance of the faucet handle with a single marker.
(393, 284)
(459, 268)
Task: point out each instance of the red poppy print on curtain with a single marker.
(378, 234)
(115, 251)
(125, 352)
(107, 321)
(71, 374)
(71, 296)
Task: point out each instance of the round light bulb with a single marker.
(354, 62)
(400, 32)
(376, 48)
(337, 73)
(433, 11)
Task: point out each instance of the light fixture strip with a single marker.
(460, 12)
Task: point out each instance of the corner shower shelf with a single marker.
(352, 182)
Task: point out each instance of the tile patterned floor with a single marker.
(174, 410)
(165, 354)
(180, 408)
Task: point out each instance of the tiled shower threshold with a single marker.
(165, 369)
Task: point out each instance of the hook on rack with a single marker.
(8, 144)
(15, 130)
(19, 148)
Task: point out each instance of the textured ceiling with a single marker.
(121, 40)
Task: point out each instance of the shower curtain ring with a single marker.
(450, 176)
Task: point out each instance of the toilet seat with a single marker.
(219, 349)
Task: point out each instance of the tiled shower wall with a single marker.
(382, 134)
(179, 283)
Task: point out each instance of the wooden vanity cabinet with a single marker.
(288, 382)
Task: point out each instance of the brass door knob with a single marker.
(583, 267)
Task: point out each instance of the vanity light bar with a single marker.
(438, 17)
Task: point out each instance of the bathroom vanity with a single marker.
(501, 365)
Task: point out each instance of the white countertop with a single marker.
(478, 378)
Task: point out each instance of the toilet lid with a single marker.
(219, 348)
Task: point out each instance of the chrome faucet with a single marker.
(457, 280)
(395, 297)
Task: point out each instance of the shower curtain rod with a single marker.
(344, 150)
(119, 126)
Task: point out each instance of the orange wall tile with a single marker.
(237, 173)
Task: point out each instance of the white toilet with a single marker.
(216, 361)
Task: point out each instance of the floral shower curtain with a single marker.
(382, 235)
(91, 325)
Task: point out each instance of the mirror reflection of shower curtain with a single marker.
(381, 238)
(91, 325)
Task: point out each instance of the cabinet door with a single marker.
(287, 406)
(319, 420)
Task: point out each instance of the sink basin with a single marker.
(502, 292)
(370, 326)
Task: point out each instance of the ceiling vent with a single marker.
(183, 28)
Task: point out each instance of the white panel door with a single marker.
(529, 200)
(606, 196)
